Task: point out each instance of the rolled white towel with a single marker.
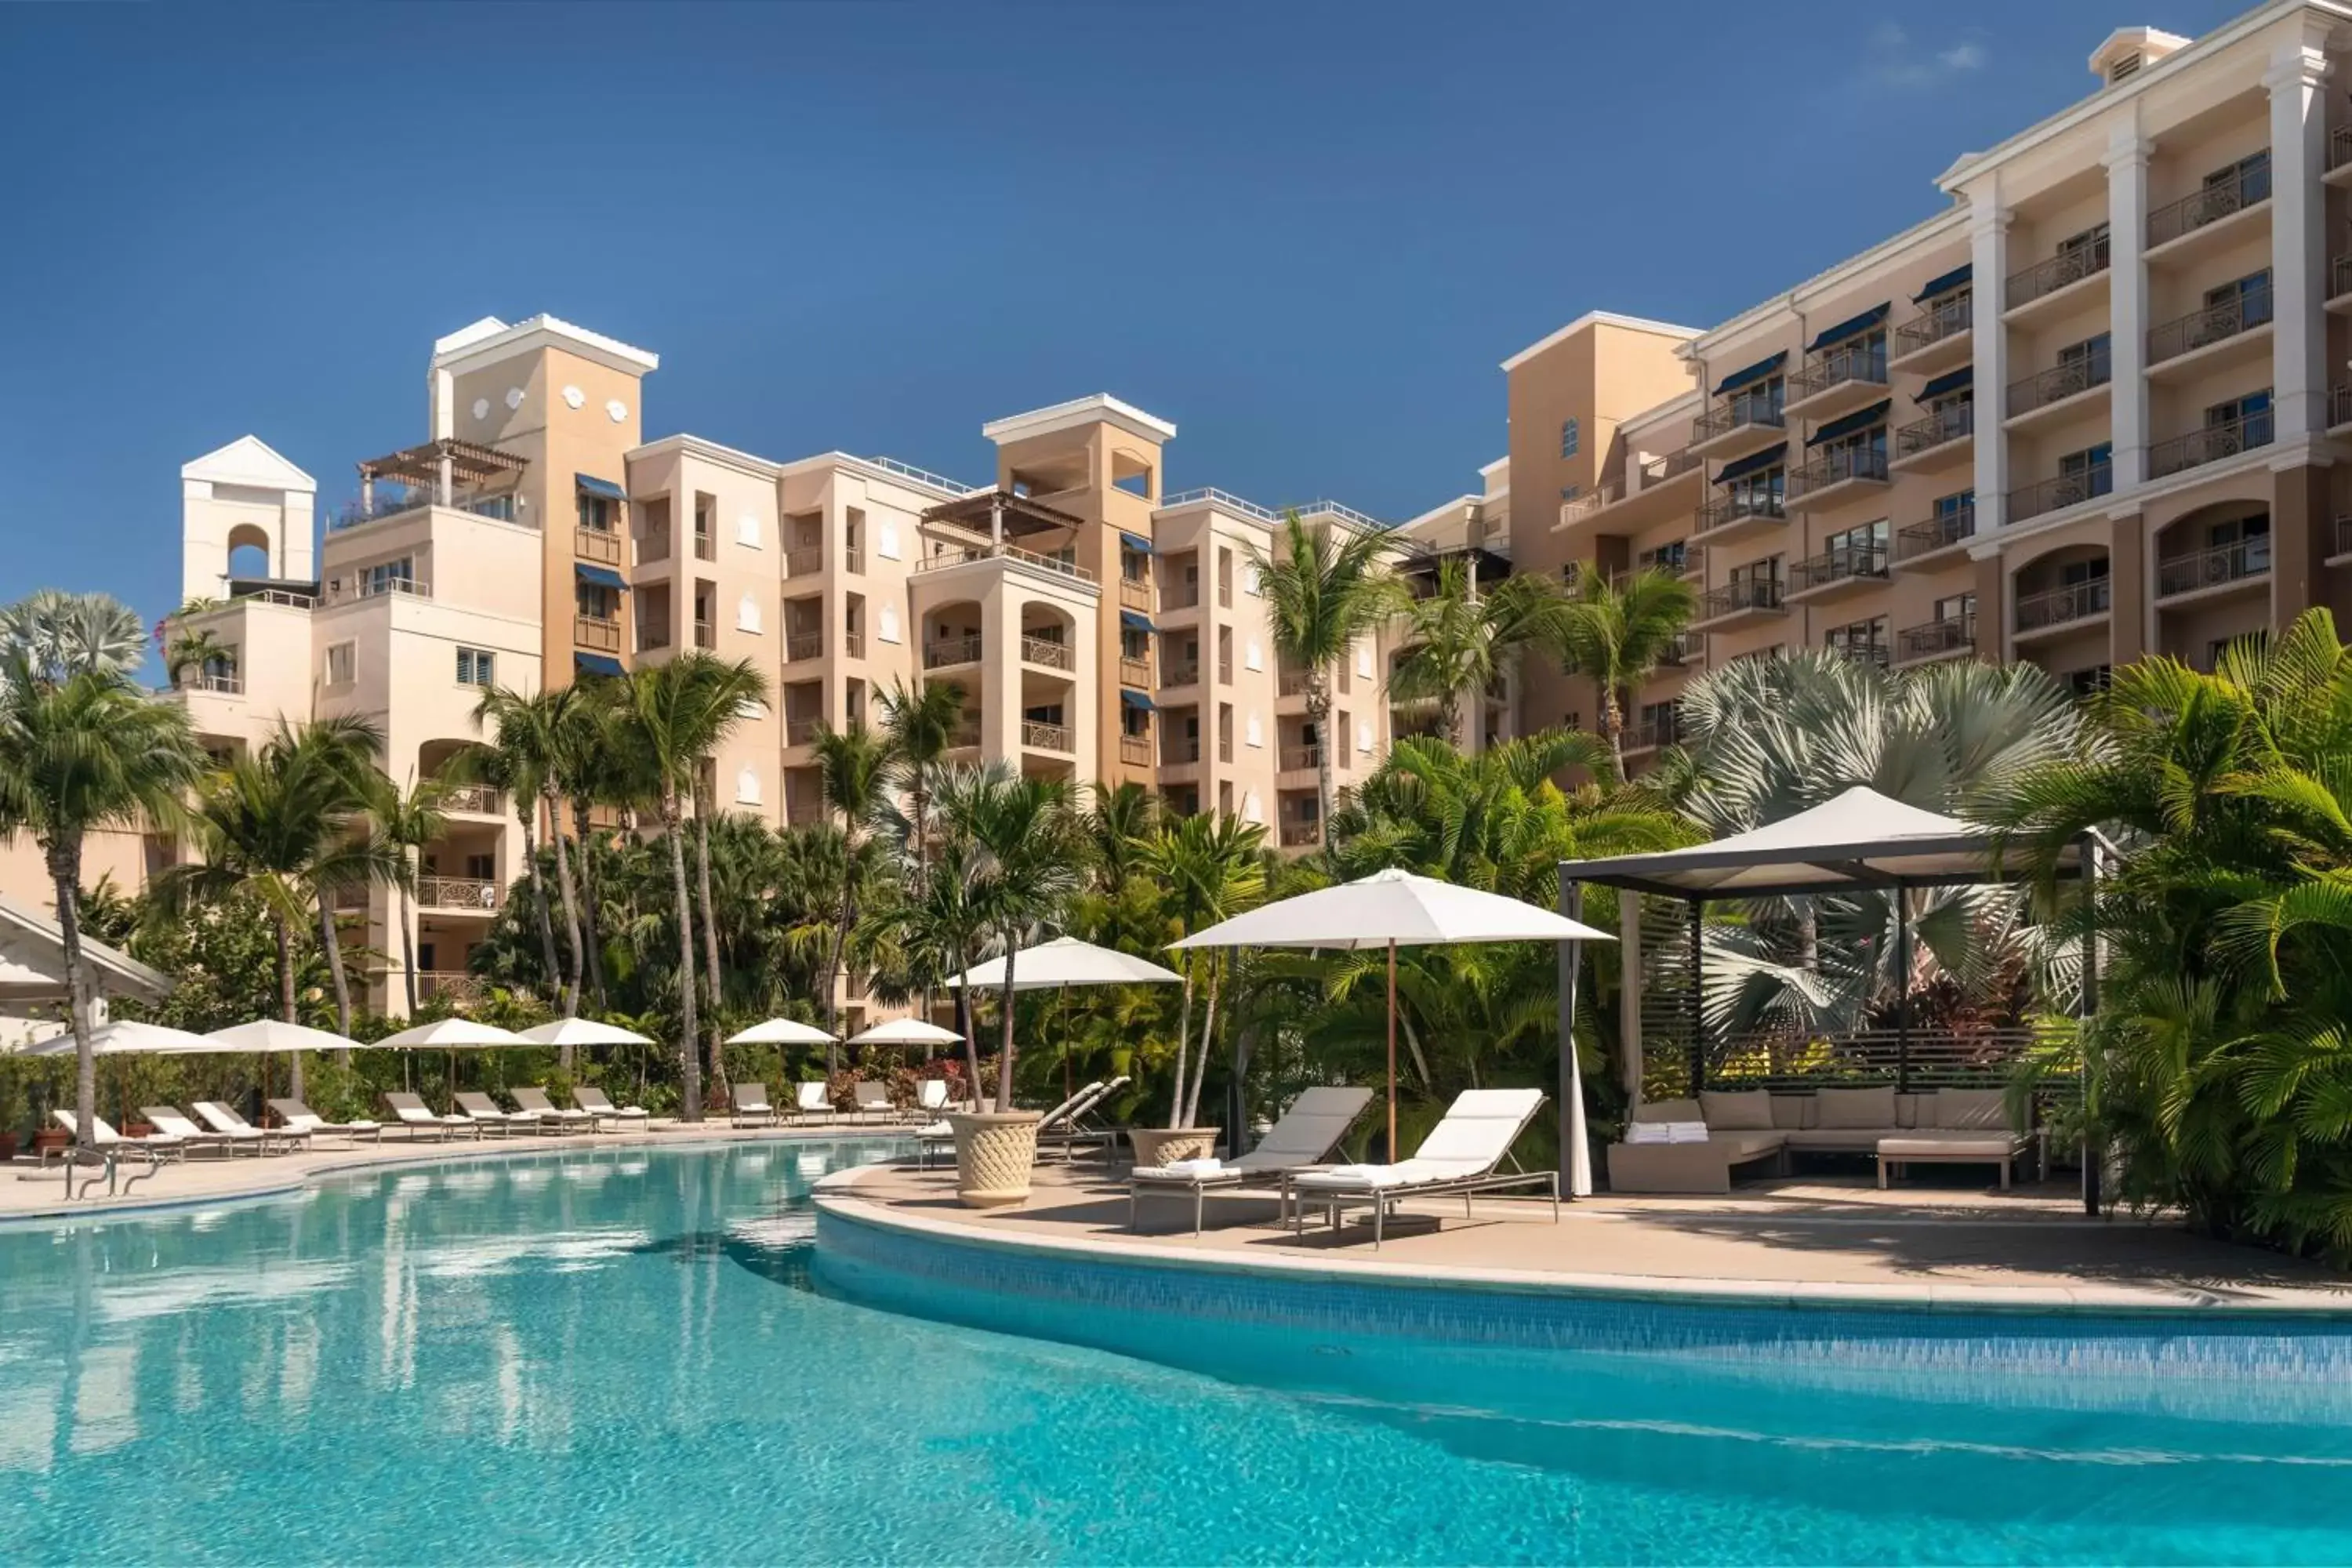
(1685, 1132)
(1208, 1165)
(1648, 1132)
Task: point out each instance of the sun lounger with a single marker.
(476, 1106)
(872, 1099)
(534, 1102)
(1304, 1136)
(224, 1119)
(1459, 1156)
(412, 1114)
(751, 1106)
(156, 1149)
(815, 1099)
(166, 1119)
(1068, 1126)
(155, 1145)
(601, 1109)
(931, 1098)
(302, 1119)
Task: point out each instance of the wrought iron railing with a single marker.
(1841, 564)
(2242, 312)
(1836, 468)
(2243, 189)
(2065, 491)
(1934, 637)
(960, 555)
(479, 799)
(2058, 382)
(456, 893)
(1291, 682)
(1739, 410)
(2212, 568)
(803, 562)
(2060, 606)
(853, 560)
(800, 732)
(1938, 532)
(2069, 265)
(1297, 834)
(1838, 365)
(1182, 750)
(1047, 654)
(1738, 506)
(1658, 470)
(449, 984)
(1295, 759)
(804, 645)
(1649, 735)
(941, 652)
(1592, 500)
(853, 642)
(1944, 425)
(1945, 318)
(1185, 672)
(1761, 594)
(2211, 444)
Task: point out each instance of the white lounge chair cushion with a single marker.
(1949, 1147)
(935, 1129)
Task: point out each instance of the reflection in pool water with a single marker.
(620, 1357)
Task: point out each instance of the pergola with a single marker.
(34, 988)
(441, 467)
(1002, 515)
(1860, 841)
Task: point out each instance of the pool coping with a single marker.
(835, 1198)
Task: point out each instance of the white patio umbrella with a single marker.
(451, 1036)
(906, 1032)
(782, 1032)
(271, 1036)
(582, 1032)
(127, 1038)
(1396, 909)
(1063, 962)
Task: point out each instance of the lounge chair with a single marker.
(156, 1149)
(226, 1121)
(413, 1113)
(302, 1119)
(167, 1120)
(534, 1102)
(1460, 1155)
(1304, 1136)
(476, 1106)
(751, 1106)
(1068, 1126)
(939, 1135)
(872, 1099)
(815, 1099)
(931, 1098)
(601, 1109)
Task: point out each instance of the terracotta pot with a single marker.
(137, 1130)
(7, 1146)
(994, 1150)
(49, 1138)
(1163, 1146)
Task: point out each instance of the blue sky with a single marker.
(1305, 232)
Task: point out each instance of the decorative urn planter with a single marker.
(994, 1150)
(1165, 1146)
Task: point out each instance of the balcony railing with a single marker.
(800, 732)
(2058, 382)
(2215, 202)
(1737, 412)
(2339, 407)
(1297, 834)
(479, 799)
(2210, 445)
(1135, 594)
(1838, 365)
(1658, 470)
(1747, 593)
(1182, 750)
(596, 633)
(942, 652)
(456, 893)
(1841, 564)
(1590, 501)
(1224, 670)
(1947, 317)
(1932, 638)
(2065, 491)
(1938, 532)
(1725, 510)
(226, 683)
(2069, 265)
(1046, 654)
(1682, 649)
(853, 560)
(2057, 606)
(1135, 751)
(1836, 468)
(1947, 424)
(2223, 564)
(705, 548)
(1861, 651)
(449, 984)
(1224, 748)
(960, 555)
(366, 588)
(706, 636)
(1291, 682)
(804, 645)
(392, 503)
(1297, 758)
(2213, 324)
(1135, 672)
(2339, 277)
(597, 544)
(2339, 146)
(1184, 596)
(1047, 737)
(805, 561)
(1183, 673)
(1649, 735)
(853, 642)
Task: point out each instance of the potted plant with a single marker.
(994, 1150)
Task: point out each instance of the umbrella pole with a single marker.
(1393, 1139)
(1065, 1033)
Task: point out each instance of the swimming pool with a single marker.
(620, 1355)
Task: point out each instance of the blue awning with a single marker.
(1135, 541)
(1951, 381)
(1136, 621)
(1756, 372)
(596, 664)
(1752, 463)
(592, 485)
(1860, 420)
(1135, 699)
(1944, 283)
(1851, 327)
(603, 576)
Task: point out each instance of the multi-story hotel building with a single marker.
(2091, 410)
(1098, 628)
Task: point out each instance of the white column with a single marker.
(2126, 162)
(1988, 289)
(2298, 237)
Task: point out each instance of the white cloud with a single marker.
(1892, 58)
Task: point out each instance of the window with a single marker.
(596, 512)
(2088, 249)
(1863, 640)
(2249, 179)
(2093, 464)
(1858, 550)
(477, 667)
(2084, 682)
(343, 663)
(2241, 303)
(1961, 608)
(1572, 438)
(2248, 416)
(598, 602)
(388, 578)
(1569, 492)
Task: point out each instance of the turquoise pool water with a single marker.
(621, 1357)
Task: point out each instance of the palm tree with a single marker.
(938, 927)
(337, 756)
(1323, 593)
(1118, 823)
(854, 769)
(407, 820)
(82, 750)
(1462, 639)
(721, 693)
(194, 650)
(919, 728)
(1618, 636)
(488, 764)
(1211, 868)
(535, 733)
(50, 636)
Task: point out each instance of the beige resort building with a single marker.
(1099, 627)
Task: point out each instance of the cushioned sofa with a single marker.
(1757, 1131)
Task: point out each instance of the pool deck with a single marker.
(1818, 1241)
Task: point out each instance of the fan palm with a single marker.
(1619, 635)
(1462, 639)
(1211, 868)
(50, 636)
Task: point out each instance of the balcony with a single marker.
(1916, 542)
(1862, 652)
(1297, 834)
(1836, 573)
(1944, 437)
(475, 800)
(1836, 477)
(596, 633)
(1182, 750)
(2065, 491)
(367, 587)
(1185, 672)
(2210, 445)
(2211, 214)
(469, 894)
(599, 545)
(853, 642)
(221, 683)
(1224, 670)
(1047, 655)
(1739, 424)
(1183, 597)
(965, 556)
(1939, 338)
(1301, 759)
(1599, 499)
(1649, 735)
(2058, 609)
(1040, 737)
(2339, 156)
(1738, 603)
(2339, 407)
(2339, 284)
(705, 548)
(1135, 751)
(852, 560)
(1292, 682)
(2036, 399)
(1947, 638)
(2039, 289)
(946, 652)
(1135, 672)
(1739, 512)
(2205, 571)
(1683, 651)
(1839, 378)
(800, 732)
(806, 561)
(799, 645)
(1135, 594)
(449, 984)
(2200, 334)
(706, 636)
